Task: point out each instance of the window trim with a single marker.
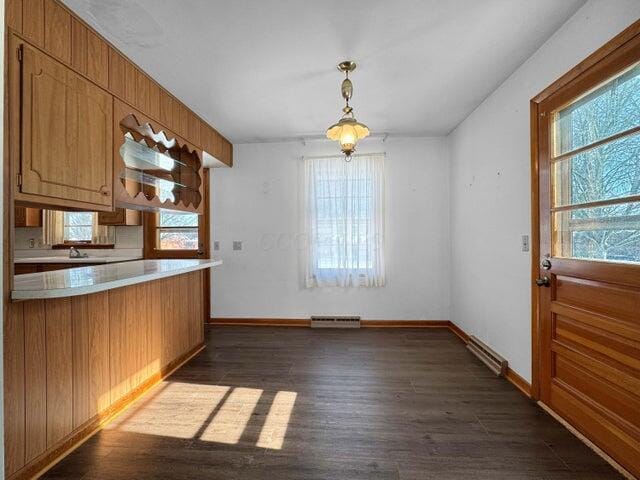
(150, 226)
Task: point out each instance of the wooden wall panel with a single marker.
(80, 348)
(13, 15)
(97, 60)
(154, 314)
(14, 401)
(79, 47)
(118, 364)
(99, 352)
(33, 21)
(35, 379)
(59, 331)
(57, 31)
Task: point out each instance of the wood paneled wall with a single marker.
(53, 28)
(70, 361)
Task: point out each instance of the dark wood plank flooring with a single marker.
(296, 403)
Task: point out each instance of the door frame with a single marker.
(629, 36)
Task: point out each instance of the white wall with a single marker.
(259, 201)
(490, 185)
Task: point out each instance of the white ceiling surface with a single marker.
(264, 70)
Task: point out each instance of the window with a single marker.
(344, 208)
(177, 231)
(596, 173)
(78, 226)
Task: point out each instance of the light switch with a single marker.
(237, 245)
(525, 243)
(216, 245)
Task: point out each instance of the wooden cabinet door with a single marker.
(66, 134)
(27, 217)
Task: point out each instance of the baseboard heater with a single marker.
(491, 359)
(335, 322)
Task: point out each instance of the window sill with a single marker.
(67, 246)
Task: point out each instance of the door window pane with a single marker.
(610, 109)
(609, 233)
(609, 171)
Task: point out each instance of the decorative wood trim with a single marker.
(261, 322)
(519, 382)
(405, 323)
(459, 332)
(601, 453)
(535, 254)
(616, 42)
(48, 459)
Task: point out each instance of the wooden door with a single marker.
(66, 134)
(588, 153)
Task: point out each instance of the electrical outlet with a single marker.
(32, 243)
(524, 243)
(216, 245)
(237, 245)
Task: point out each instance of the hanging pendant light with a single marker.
(348, 130)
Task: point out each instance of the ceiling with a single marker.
(264, 70)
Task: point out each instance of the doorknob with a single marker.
(543, 282)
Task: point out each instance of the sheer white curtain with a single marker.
(344, 212)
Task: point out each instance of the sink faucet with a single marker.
(75, 253)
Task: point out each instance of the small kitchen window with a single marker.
(78, 226)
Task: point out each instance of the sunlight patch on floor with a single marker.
(211, 413)
(275, 426)
(228, 425)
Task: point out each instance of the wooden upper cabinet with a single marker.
(154, 100)
(142, 91)
(166, 108)
(57, 31)
(193, 130)
(27, 217)
(67, 136)
(33, 21)
(79, 39)
(120, 217)
(122, 77)
(13, 15)
(97, 59)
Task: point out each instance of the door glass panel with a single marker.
(607, 172)
(610, 233)
(595, 209)
(608, 110)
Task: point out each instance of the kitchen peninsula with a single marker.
(82, 343)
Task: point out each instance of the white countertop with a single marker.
(66, 259)
(98, 278)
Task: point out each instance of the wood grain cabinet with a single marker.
(27, 217)
(66, 135)
(120, 217)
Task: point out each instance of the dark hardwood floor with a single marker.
(296, 403)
